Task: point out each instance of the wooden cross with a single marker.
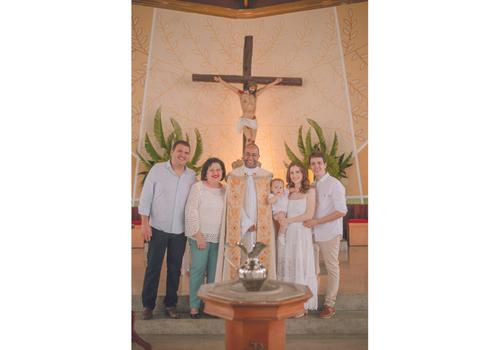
(247, 72)
(245, 79)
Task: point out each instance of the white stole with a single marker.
(249, 210)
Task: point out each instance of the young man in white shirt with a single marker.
(327, 226)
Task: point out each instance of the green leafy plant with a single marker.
(336, 165)
(166, 144)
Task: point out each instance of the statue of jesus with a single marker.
(248, 100)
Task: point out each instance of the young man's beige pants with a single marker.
(330, 252)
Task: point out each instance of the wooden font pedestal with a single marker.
(254, 323)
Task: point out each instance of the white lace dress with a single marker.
(298, 263)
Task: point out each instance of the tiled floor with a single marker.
(353, 273)
(293, 342)
(354, 280)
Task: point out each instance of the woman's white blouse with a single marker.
(204, 211)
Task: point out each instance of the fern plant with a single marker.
(166, 144)
(336, 165)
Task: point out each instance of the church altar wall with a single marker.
(354, 33)
(363, 167)
(353, 22)
(304, 44)
(142, 18)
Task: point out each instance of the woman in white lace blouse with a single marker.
(203, 218)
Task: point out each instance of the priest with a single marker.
(247, 216)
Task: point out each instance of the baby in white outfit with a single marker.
(279, 200)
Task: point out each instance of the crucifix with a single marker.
(248, 96)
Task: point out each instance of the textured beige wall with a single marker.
(141, 30)
(303, 44)
(353, 21)
(363, 167)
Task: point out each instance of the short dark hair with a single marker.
(207, 164)
(181, 142)
(252, 145)
(317, 154)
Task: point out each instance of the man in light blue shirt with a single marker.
(161, 207)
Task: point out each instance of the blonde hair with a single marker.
(277, 179)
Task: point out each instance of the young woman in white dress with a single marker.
(299, 266)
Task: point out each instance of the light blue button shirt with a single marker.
(164, 196)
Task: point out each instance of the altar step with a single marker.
(351, 302)
(293, 342)
(345, 322)
(351, 319)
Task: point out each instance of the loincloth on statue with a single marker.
(249, 123)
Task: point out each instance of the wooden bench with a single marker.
(137, 240)
(358, 232)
